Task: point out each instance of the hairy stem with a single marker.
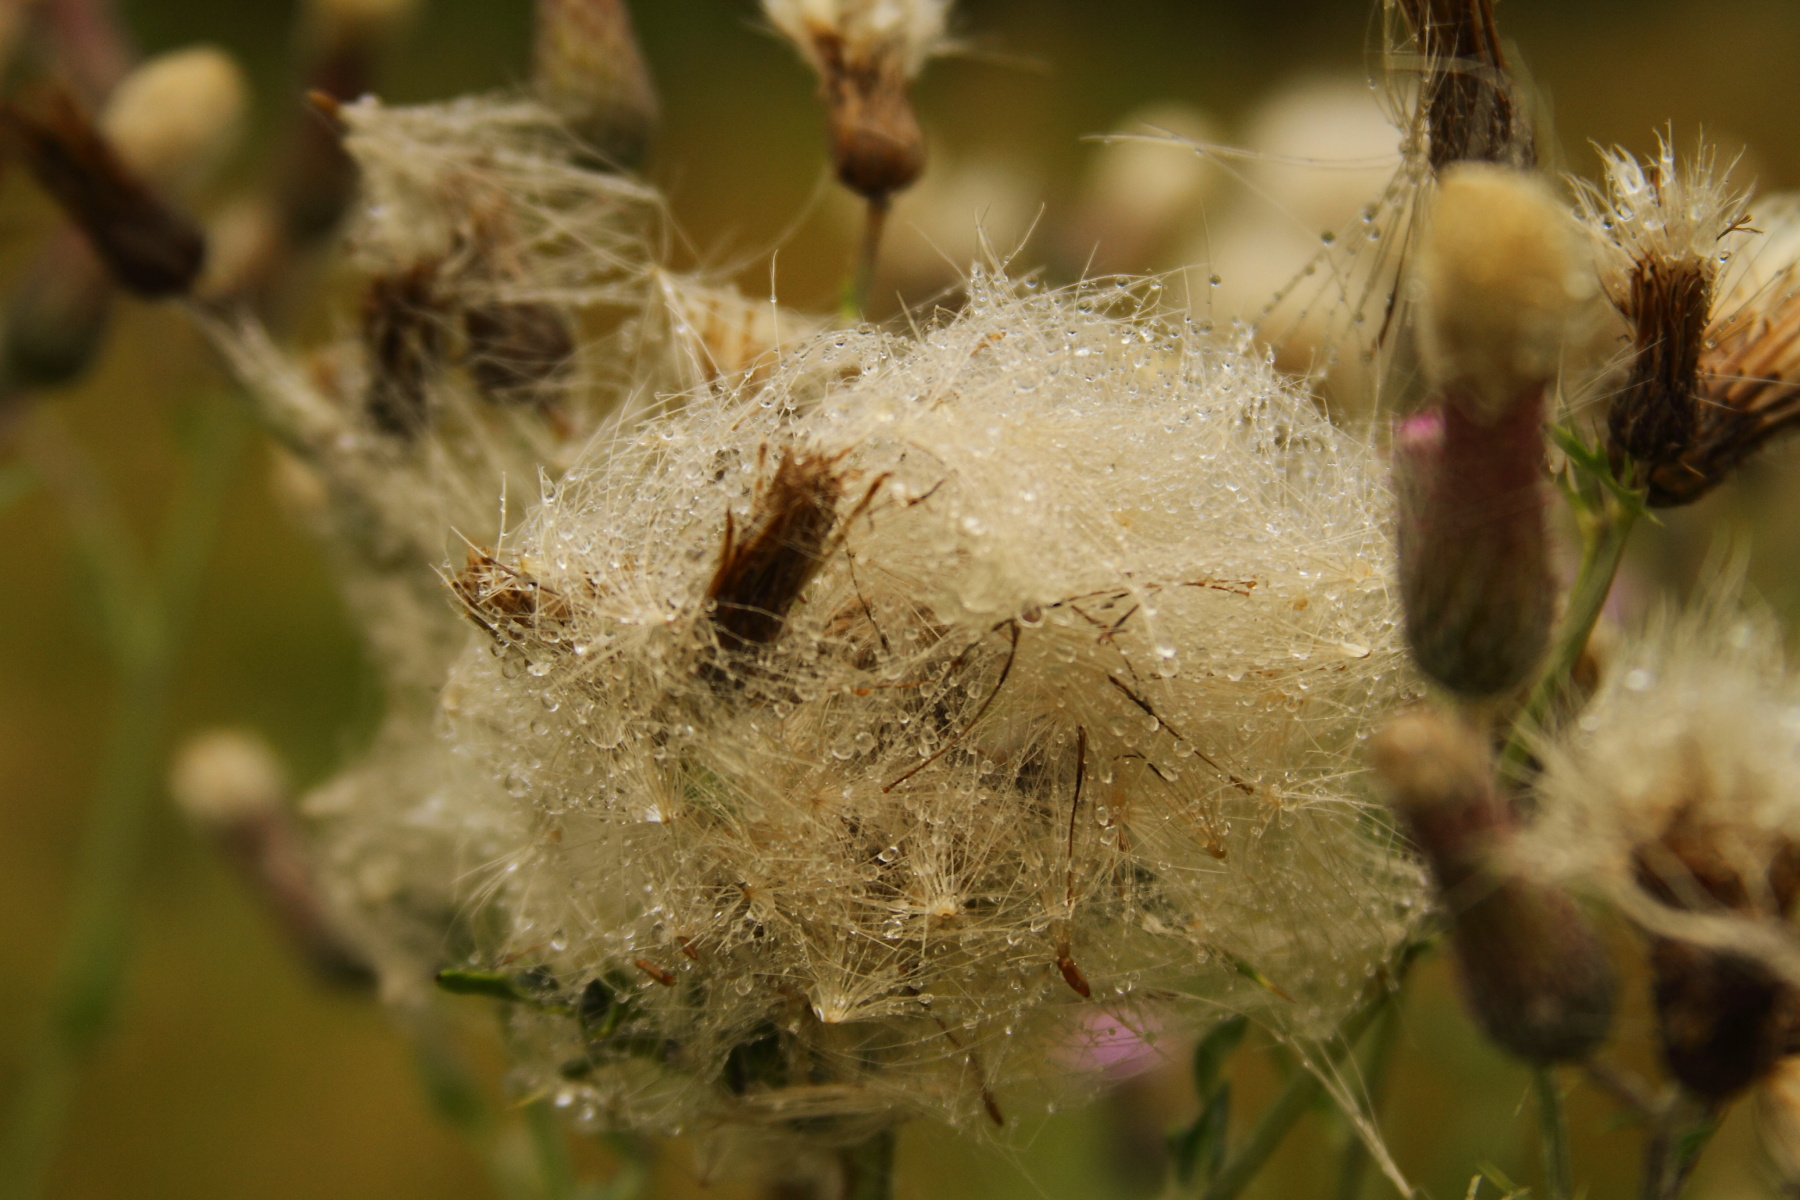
(145, 619)
(1553, 1134)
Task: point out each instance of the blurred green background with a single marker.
(231, 1073)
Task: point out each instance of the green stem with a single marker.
(869, 1168)
(1606, 531)
(556, 1173)
(144, 621)
(1674, 1149)
(1353, 1165)
(1300, 1094)
(1553, 1133)
(857, 288)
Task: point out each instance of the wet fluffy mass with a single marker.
(850, 744)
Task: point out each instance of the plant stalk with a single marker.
(1606, 531)
(145, 620)
(1553, 1134)
(869, 1168)
(861, 284)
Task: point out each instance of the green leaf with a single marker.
(525, 987)
(1198, 1151)
(1499, 1179)
(1214, 1050)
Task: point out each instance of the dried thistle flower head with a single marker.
(866, 52)
(587, 66)
(1469, 106)
(840, 744)
(1665, 231)
(1675, 797)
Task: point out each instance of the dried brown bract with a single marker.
(506, 601)
(763, 570)
(405, 336)
(1653, 419)
(877, 145)
(151, 248)
(1471, 108)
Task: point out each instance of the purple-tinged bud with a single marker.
(1475, 578)
(1504, 282)
(231, 786)
(59, 313)
(1534, 971)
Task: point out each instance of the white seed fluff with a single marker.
(879, 724)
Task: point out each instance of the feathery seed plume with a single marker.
(1675, 798)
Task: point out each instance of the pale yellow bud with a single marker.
(224, 777)
(176, 119)
(1505, 282)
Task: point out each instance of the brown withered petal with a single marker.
(151, 248)
(1471, 111)
(406, 340)
(763, 570)
(1654, 419)
(877, 145)
(1749, 392)
(517, 352)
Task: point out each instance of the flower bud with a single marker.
(1475, 577)
(1533, 970)
(176, 119)
(151, 248)
(59, 313)
(231, 785)
(587, 66)
(1503, 285)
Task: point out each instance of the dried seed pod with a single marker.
(406, 343)
(1534, 971)
(763, 570)
(866, 52)
(1724, 1019)
(588, 67)
(150, 247)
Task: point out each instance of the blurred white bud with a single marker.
(176, 119)
(226, 776)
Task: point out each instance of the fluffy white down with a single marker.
(1071, 700)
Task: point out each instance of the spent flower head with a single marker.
(838, 743)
